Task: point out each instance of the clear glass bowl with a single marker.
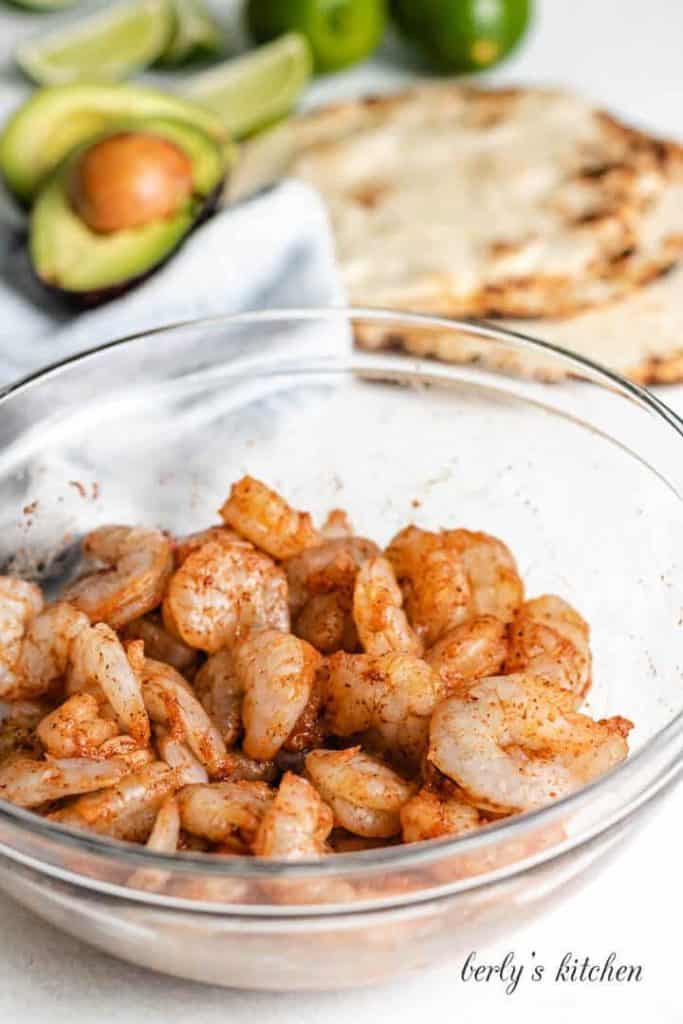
(583, 479)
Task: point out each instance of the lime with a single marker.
(340, 32)
(195, 34)
(43, 5)
(257, 89)
(463, 35)
(108, 45)
(262, 159)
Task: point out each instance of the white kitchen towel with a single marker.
(273, 251)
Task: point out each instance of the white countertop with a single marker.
(625, 54)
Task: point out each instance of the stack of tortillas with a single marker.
(528, 206)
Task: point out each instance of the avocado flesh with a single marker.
(90, 267)
(58, 118)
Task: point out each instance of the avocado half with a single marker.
(58, 118)
(87, 267)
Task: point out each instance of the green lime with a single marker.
(257, 89)
(463, 35)
(196, 34)
(108, 45)
(43, 5)
(340, 32)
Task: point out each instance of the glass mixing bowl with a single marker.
(582, 477)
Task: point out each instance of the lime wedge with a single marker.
(44, 5)
(195, 34)
(263, 159)
(253, 91)
(108, 45)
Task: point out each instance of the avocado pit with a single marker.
(128, 180)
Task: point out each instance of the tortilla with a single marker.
(525, 204)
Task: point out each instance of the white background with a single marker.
(628, 55)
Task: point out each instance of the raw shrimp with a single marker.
(328, 567)
(139, 563)
(29, 782)
(472, 650)
(511, 748)
(433, 579)
(549, 639)
(364, 793)
(382, 624)
(160, 645)
(337, 524)
(127, 809)
(326, 622)
(296, 824)
(220, 592)
(75, 728)
(178, 755)
(184, 546)
(430, 815)
(390, 697)
(277, 671)
(43, 653)
(17, 728)
(341, 841)
(166, 829)
(264, 517)
(494, 582)
(169, 700)
(20, 602)
(240, 768)
(225, 812)
(98, 657)
(221, 691)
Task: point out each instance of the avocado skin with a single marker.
(77, 265)
(98, 296)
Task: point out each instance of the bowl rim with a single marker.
(402, 856)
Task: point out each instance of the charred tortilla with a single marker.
(523, 204)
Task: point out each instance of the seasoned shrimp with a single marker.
(76, 728)
(240, 768)
(178, 755)
(225, 812)
(472, 650)
(296, 824)
(432, 576)
(364, 794)
(326, 622)
(17, 728)
(220, 592)
(169, 700)
(42, 653)
(494, 582)
(382, 624)
(221, 692)
(328, 567)
(20, 602)
(127, 809)
(264, 517)
(165, 832)
(160, 645)
(29, 782)
(337, 524)
(98, 658)
(138, 564)
(549, 639)
(512, 748)
(278, 672)
(430, 815)
(184, 546)
(390, 698)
